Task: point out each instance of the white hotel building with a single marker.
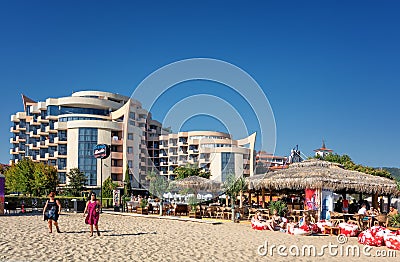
(62, 132)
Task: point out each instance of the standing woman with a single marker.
(51, 211)
(93, 207)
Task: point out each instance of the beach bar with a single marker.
(319, 179)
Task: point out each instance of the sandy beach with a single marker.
(127, 238)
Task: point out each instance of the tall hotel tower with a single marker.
(63, 131)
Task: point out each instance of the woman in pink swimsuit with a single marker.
(93, 207)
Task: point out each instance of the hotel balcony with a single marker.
(182, 162)
(42, 133)
(60, 125)
(32, 146)
(246, 161)
(163, 146)
(246, 172)
(116, 142)
(164, 173)
(14, 118)
(50, 156)
(116, 155)
(14, 140)
(193, 151)
(14, 130)
(14, 151)
(42, 120)
(49, 130)
(116, 169)
(32, 134)
(185, 144)
(58, 141)
(48, 143)
(57, 155)
(33, 122)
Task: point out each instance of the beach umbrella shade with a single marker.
(197, 184)
(315, 173)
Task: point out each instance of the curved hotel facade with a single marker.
(63, 131)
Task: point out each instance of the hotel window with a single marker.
(61, 177)
(130, 150)
(227, 165)
(130, 163)
(86, 162)
(62, 163)
(130, 136)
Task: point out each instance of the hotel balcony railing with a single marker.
(34, 134)
(116, 155)
(57, 140)
(42, 120)
(57, 154)
(116, 142)
(116, 169)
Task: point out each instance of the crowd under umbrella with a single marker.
(197, 184)
(318, 174)
(323, 174)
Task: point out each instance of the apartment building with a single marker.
(213, 151)
(63, 131)
(266, 161)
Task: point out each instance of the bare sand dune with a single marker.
(124, 238)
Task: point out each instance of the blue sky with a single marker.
(330, 69)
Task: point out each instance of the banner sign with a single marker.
(311, 202)
(101, 151)
(327, 203)
(116, 197)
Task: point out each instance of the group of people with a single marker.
(52, 211)
(275, 222)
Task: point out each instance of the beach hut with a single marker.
(197, 183)
(320, 179)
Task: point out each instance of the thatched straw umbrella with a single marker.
(322, 174)
(197, 183)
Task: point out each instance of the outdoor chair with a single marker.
(381, 220)
(252, 212)
(220, 212)
(362, 223)
(227, 213)
(211, 211)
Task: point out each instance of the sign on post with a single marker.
(101, 151)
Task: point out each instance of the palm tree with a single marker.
(233, 186)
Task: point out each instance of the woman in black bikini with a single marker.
(51, 211)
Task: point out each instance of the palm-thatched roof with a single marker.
(315, 173)
(197, 183)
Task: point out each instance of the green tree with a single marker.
(157, 186)
(348, 164)
(20, 176)
(45, 179)
(28, 177)
(108, 187)
(127, 182)
(190, 170)
(232, 187)
(77, 181)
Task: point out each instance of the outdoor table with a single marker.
(347, 216)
